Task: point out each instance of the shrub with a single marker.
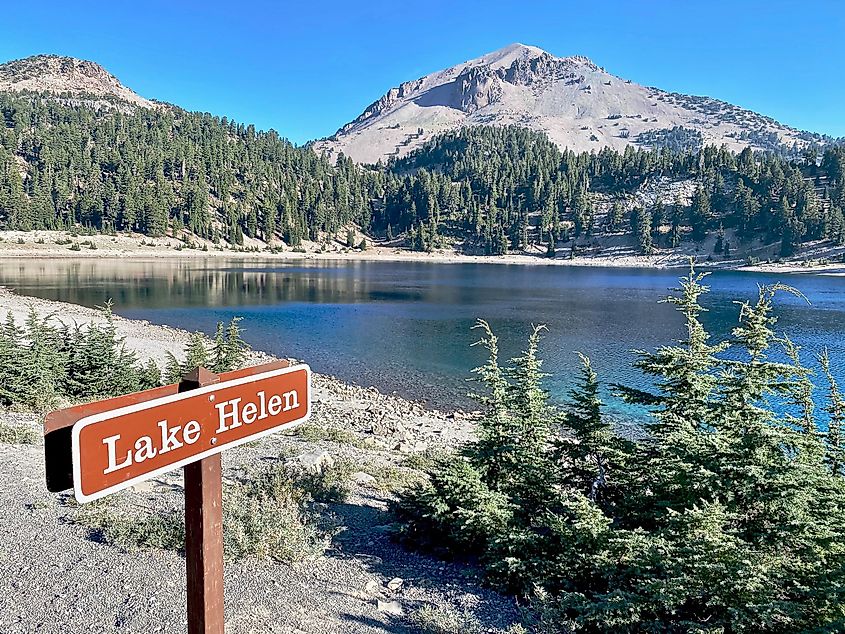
(18, 434)
(724, 518)
(128, 530)
(269, 515)
(329, 484)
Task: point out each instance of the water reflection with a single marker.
(407, 326)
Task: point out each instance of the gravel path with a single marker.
(57, 578)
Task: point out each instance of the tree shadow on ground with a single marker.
(368, 539)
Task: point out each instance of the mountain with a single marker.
(67, 77)
(578, 104)
(81, 152)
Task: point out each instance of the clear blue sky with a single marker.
(306, 67)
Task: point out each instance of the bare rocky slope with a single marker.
(74, 79)
(577, 103)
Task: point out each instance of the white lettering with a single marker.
(291, 400)
(223, 416)
(110, 442)
(249, 412)
(168, 437)
(262, 399)
(192, 432)
(274, 405)
(144, 449)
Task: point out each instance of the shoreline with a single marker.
(43, 245)
(389, 417)
(376, 442)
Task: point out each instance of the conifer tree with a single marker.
(228, 349)
(700, 214)
(41, 366)
(835, 409)
(587, 460)
(12, 386)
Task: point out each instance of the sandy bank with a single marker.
(61, 244)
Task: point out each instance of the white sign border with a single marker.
(137, 407)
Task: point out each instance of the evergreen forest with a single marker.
(68, 166)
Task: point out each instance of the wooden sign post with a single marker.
(103, 447)
(204, 531)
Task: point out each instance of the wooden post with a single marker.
(204, 531)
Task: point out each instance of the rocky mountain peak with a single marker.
(66, 76)
(578, 104)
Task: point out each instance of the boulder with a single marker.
(314, 461)
(390, 607)
(362, 478)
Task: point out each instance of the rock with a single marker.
(389, 607)
(372, 587)
(362, 478)
(394, 584)
(315, 461)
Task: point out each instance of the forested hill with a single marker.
(517, 189)
(65, 164)
(161, 170)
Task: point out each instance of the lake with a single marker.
(407, 326)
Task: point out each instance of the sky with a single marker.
(305, 68)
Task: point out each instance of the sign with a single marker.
(102, 447)
(114, 449)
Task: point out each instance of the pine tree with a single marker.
(587, 460)
(643, 230)
(700, 214)
(195, 354)
(41, 367)
(835, 410)
(12, 386)
(228, 349)
(493, 450)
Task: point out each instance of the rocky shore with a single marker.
(59, 578)
(819, 257)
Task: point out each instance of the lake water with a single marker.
(407, 327)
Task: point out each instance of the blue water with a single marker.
(407, 327)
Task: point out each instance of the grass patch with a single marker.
(316, 433)
(18, 434)
(130, 530)
(393, 479)
(269, 516)
(438, 619)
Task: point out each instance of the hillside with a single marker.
(74, 79)
(97, 163)
(578, 104)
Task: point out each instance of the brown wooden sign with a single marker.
(120, 447)
(103, 447)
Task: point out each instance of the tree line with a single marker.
(46, 363)
(487, 189)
